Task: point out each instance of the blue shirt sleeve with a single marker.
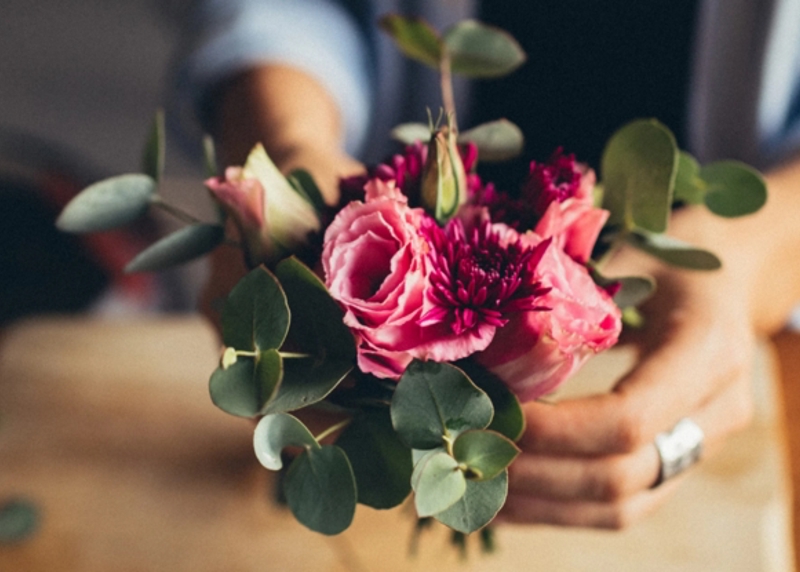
(319, 37)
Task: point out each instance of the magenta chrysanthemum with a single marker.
(556, 180)
(478, 279)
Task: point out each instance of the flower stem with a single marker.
(333, 429)
(446, 80)
(293, 355)
(176, 212)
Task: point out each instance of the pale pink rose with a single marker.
(537, 351)
(376, 266)
(273, 218)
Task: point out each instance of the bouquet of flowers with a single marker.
(416, 314)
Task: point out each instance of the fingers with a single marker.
(685, 372)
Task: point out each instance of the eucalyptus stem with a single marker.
(616, 244)
(446, 79)
(294, 355)
(333, 429)
(176, 212)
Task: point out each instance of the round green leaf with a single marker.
(275, 432)
(498, 140)
(181, 246)
(674, 252)
(245, 387)
(307, 380)
(321, 490)
(437, 483)
(414, 37)
(153, 157)
(480, 51)
(508, 419)
(381, 462)
(437, 399)
(639, 165)
(19, 519)
(409, 133)
(485, 453)
(256, 314)
(733, 188)
(481, 502)
(108, 204)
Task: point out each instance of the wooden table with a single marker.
(109, 428)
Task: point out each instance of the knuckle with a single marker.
(629, 432)
(611, 482)
(620, 517)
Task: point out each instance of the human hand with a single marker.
(592, 462)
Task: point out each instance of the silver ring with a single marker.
(678, 449)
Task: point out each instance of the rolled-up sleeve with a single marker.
(320, 37)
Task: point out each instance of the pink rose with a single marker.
(537, 351)
(376, 266)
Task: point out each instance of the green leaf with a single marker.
(276, 432)
(181, 246)
(688, 186)
(409, 133)
(306, 380)
(508, 420)
(154, 153)
(485, 453)
(480, 504)
(245, 388)
(639, 165)
(108, 204)
(210, 164)
(498, 140)
(19, 519)
(733, 188)
(480, 51)
(256, 314)
(318, 330)
(437, 483)
(674, 252)
(321, 490)
(437, 399)
(381, 462)
(302, 181)
(414, 37)
(633, 290)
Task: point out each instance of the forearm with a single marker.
(292, 114)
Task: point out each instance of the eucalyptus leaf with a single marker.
(674, 251)
(256, 313)
(276, 432)
(181, 246)
(438, 483)
(733, 188)
(317, 320)
(321, 489)
(633, 290)
(108, 204)
(508, 420)
(19, 519)
(381, 462)
(689, 188)
(245, 387)
(306, 380)
(302, 181)
(414, 37)
(154, 154)
(434, 400)
(409, 133)
(477, 50)
(481, 502)
(639, 165)
(499, 140)
(485, 453)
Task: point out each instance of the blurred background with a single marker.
(81, 82)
